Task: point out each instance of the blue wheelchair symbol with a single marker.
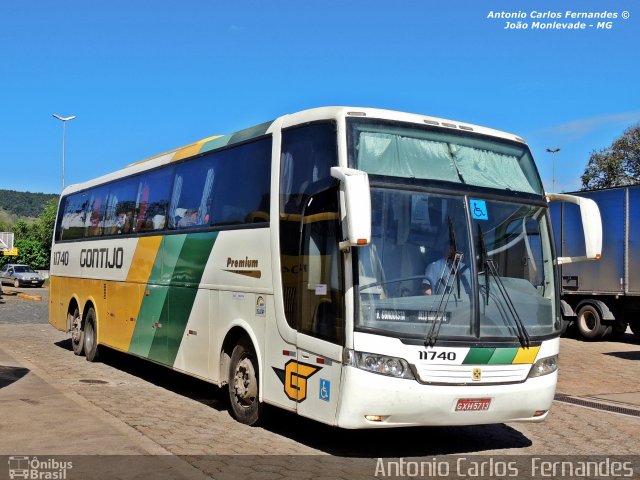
(478, 209)
(325, 390)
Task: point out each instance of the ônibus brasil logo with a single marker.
(32, 468)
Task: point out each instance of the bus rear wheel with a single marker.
(90, 336)
(243, 384)
(589, 322)
(77, 333)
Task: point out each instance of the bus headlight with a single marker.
(381, 364)
(544, 366)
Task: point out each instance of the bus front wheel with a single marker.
(90, 336)
(589, 322)
(243, 384)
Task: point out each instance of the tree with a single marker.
(30, 252)
(616, 165)
(33, 240)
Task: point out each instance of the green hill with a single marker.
(16, 205)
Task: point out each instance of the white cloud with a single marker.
(577, 129)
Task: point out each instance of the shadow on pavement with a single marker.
(160, 376)
(394, 442)
(9, 375)
(625, 355)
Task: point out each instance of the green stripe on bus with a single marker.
(478, 356)
(186, 275)
(503, 356)
(150, 310)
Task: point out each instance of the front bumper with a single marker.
(403, 402)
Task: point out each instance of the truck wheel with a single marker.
(635, 328)
(77, 332)
(243, 384)
(91, 336)
(589, 322)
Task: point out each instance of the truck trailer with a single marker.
(601, 298)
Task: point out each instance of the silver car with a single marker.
(20, 275)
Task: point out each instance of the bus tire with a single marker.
(90, 336)
(589, 322)
(243, 384)
(77, 332)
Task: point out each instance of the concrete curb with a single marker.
(26, 296)
(35, 298)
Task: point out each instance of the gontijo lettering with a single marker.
(102, 257)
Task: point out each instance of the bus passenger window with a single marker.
(191, 196)
(120, 207)
(96, 212)
(153, 200)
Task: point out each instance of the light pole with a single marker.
(64, 121)
(553, 152)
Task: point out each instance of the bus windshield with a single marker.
(410, 151)
(418, 277)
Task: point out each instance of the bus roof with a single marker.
(304, 116)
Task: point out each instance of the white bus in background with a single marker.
(361, 267)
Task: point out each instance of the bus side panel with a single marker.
(57, 314)
(123, 303)
(193, 354)
(170, 294)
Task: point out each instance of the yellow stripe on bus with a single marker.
(193, 149)
(143, 259)
(526, 355)
(131, 292)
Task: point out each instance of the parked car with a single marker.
(20, 275)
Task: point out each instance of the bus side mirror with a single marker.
(357, 200)
(591, 225)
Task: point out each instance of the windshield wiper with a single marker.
(451, 272)
(454, 245)
(490, 270)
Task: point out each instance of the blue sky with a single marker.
(144, 77)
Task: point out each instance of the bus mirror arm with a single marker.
(354, 185)
(591, 225)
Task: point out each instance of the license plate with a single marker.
(473, 404)
(34, 281)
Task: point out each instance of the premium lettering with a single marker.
(246, 263)
(102, 257)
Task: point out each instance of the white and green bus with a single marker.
(361, 267)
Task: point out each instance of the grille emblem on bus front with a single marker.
(476, 376)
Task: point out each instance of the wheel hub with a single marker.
(245, 384)
(75, 330)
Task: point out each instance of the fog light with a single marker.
(539, 413)
(375, 418)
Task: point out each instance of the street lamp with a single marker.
(553, 152)
(64, 121)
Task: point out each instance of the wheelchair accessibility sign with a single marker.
(478, 209)
(325, 390)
